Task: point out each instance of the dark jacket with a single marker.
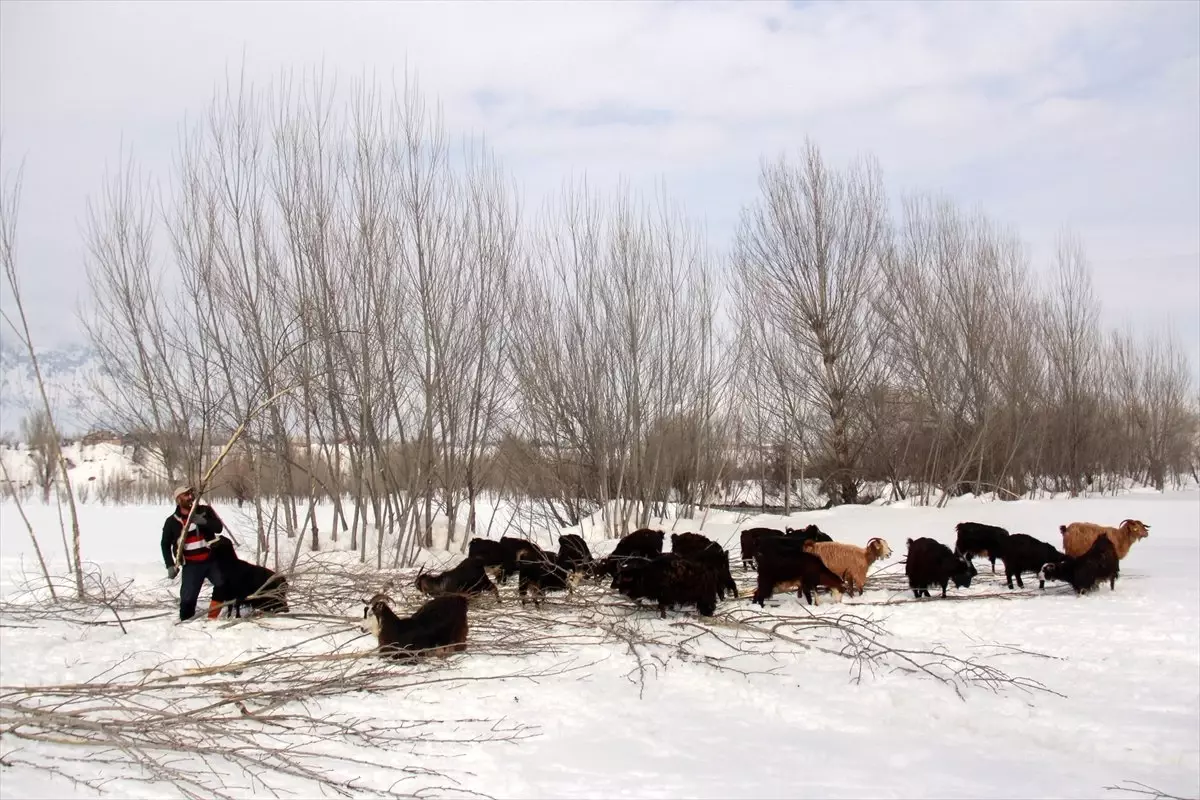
(207, 523)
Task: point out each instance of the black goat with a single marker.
(749, 540)
(573, 552)
(1084, 572)
(931, 563)
(751, 537)
(489, 551)
(705, 551)
(439, 627)
(516, 551)
(539, 577)
(779, 541)
(718, 562)
(629, 581)
(977, 539)
(503, 557)
(244, 582)
(670, 580)
(1023, 553)
(689, 544)
(783, 566)
(641, 545)
(467, 578)
(810, 533)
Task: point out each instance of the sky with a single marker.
(1041, 115)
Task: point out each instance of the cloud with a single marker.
(1038, 113)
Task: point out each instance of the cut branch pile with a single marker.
(1138, 789)
(262, 724)
(252, 726)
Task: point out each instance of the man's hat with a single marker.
(181, 490)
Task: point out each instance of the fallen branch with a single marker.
(1141, 789)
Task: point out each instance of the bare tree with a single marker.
(811, 244)
(776, 417)
(129, 325)
(960, 316)
(1071, 337)
(492, 253)
(10, 196)
(617, 357)
(37, 430)
(1021, 384)
(1155, 388)
(559, 356)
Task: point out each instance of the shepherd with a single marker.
(197, 565)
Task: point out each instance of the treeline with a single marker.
(422, 338)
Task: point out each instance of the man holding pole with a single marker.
(198, 526)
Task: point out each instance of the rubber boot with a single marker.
(214, 608)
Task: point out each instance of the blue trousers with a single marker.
(194, 575)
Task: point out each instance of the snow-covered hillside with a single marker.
(103, 472)
(70, 374)
(1061, 696)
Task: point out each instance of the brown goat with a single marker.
(1078, 537)
(848, 560)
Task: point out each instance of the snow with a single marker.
(757, 717)
(73, 380)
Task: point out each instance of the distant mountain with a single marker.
(70, 374)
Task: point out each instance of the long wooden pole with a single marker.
(199, 490)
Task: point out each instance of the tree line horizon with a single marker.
(427, 340)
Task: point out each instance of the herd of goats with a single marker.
(696, 572)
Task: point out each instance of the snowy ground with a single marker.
(607, 701)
